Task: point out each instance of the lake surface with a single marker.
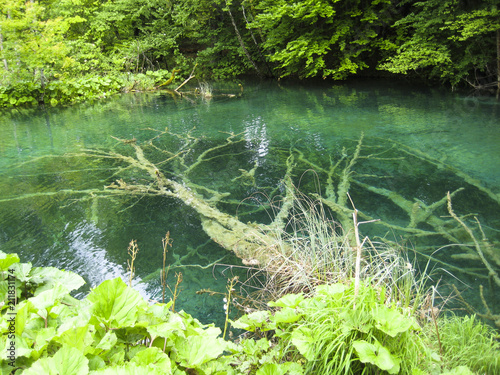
(416, 144)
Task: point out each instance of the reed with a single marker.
(133, 249)
(166, 242)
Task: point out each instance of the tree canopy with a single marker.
(60, 50)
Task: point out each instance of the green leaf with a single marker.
(154, 314)
(6, 260)
(196, 350)
(252, 321)
(108, 341)
(289, 300)
(80, 338)
(22, 314)
(271, 369)
(128, 369)
(49, 298)
(41, 341)
(286, 315)
(391, 321)
(165, 330)
(22, 271)
(115, 304)
(50, 276)
(377, 355)
(303, 339)
(292, 368)
(153, 357)
(253, 347)
(67, 361)
(21, 344)
(95, 362)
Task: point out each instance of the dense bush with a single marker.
(67, 90)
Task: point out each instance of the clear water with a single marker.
(431, 142)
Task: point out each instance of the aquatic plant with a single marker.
(132, 250)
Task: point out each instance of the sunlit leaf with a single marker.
(67, 361)
(108, 341)
(286, 315)
(80, 338)
(391, 321)
(6, 260)
(196, 350)
(49, 297)
(271, 369)
(51, 276)
(303, 339)
(252, 321)
(153, 357)
(377, 355)
(41, 341)
(116, 304)
(128, 369)
(252, 346)
(22, 271)
(289, 300)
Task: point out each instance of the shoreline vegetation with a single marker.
(68, 51)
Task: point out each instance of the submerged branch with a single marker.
(492, 273)
(159, 171)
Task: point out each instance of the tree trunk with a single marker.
(256, 44)
(5, 65)
(498, 64)
(242, 44)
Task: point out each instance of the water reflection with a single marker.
(256, 136)
(83, 254)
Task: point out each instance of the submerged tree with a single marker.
(364, 187)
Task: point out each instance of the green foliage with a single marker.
(321, 38)
(466, 341)
(115, 331)
(337, 332)
(67, 90)
(113, 328)
(447, 40)
(61, 42)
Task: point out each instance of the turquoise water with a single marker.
(417, 142)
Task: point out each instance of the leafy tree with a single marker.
(30, 40)
(311, 38)
(453, 40)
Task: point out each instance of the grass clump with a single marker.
(467, 341)
(312, 249)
